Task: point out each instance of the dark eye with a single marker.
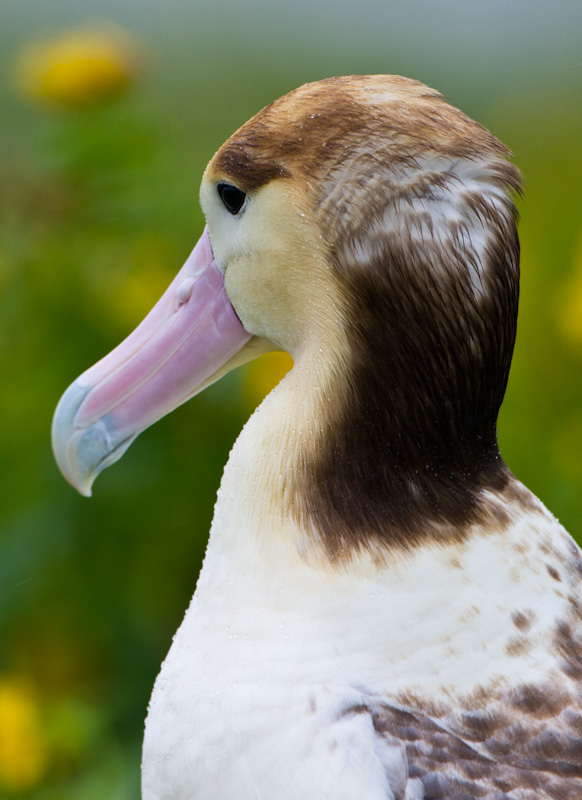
(232, 197)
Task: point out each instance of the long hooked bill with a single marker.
(180, 348)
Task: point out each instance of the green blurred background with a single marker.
(99, 169)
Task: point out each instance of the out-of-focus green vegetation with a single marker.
(99, 209)
(98, 204)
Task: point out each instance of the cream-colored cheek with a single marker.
(276, 266)
(263, 301)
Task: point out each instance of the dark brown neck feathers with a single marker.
(414, 446)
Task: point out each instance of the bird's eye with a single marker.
(232, 197)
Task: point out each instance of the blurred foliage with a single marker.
(96, 218)
(98, 210)
(79, 68)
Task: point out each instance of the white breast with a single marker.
(255, 693)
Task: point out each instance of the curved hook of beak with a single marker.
(185, 340)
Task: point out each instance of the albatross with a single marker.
(384, 611)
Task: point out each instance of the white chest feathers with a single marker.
(295, 684)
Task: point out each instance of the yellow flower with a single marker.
(264, 374)
(570, 309)
(23, 755)
(78, 68)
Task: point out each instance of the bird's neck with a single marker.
(268, 572)
(301, 476)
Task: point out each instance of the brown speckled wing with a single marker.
(511, 741)
(521, 744)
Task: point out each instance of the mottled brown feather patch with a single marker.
(524, 742)
(553, 573)
(517, 646)
(523, 620)
(518, 742)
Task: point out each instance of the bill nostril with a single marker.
(184, 291)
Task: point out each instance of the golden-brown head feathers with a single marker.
(412, 203)
(320, 126)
